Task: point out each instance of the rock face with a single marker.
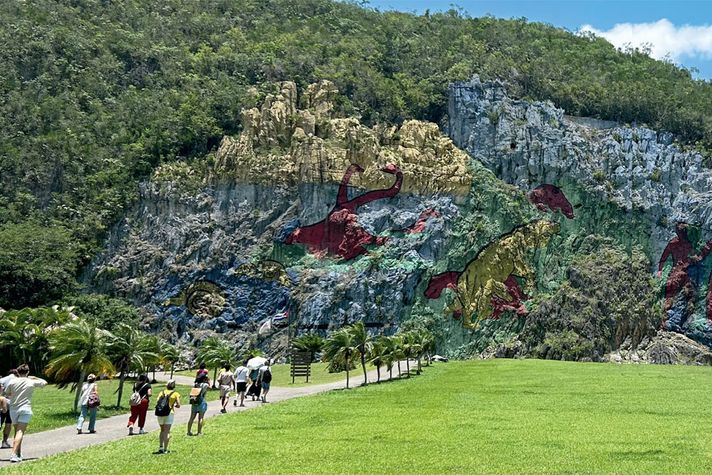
(661, 190)
(543, 241)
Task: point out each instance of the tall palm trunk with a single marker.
(390, 371)
(419, 367)
(82, 375)
(407, 366)
(173, 366)
(378, 372)
(347, 371)
(399, 369)
(215, 376)
(122, 378)
(363, 365)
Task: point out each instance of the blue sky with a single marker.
(686, 35)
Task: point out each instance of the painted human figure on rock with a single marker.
(340, 233)
(488, 285)
(682, 253)
(552, 198)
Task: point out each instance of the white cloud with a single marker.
(662, 37)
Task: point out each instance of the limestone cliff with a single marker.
(540, 235)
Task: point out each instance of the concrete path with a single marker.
(65, 439)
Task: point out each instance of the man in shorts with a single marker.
(265, 379)
(5, 419)
(20, 390)
(226, 380)
(241, 375)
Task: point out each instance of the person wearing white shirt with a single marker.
(88, 388)
(20, 391)
(241, 375)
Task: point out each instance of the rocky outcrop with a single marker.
(663, 348)
(284, 144)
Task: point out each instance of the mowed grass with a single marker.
(497, 416)
(52, 407)
(281, 377)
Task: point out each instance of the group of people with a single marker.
(16, 390)
(254, 382)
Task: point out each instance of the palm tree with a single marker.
(169, 356)
(389, 348)
(398, 351)
(78, 347)
(25, 333)
(427, 345)
(339, 348)
(411, 348)
(215, 352)
(129, 351)
(151, 344)
(378, 356)
(363, 343)
(311, 342)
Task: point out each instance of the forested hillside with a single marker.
(96, 94)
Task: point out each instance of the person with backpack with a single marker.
(89, 403)
(226, 380)
(241, 376)
(254, 389)
(139, 404)
(5, 419)
(198, 404)
(168, 402)
(264, 379)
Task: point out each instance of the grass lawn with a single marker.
(281, 377)
(52, 407)
(496, 416)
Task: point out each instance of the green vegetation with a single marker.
(52, 405)
(97, 94)
(496, 416)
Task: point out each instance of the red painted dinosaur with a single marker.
(551, 197)
(340, 232)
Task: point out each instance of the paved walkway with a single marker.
(65, 439)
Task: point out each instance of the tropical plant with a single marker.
(311, 342)
(427, 345)
(378, 357)
(169, 356)
(129, 351)
(24, 334)
(390, 352)
(215, 352)
(78, 348)
(363, 343)
(339, 348)
(151, 346)
(411, 348)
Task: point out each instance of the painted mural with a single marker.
(488, 285)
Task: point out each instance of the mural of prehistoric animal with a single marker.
(340, 233)
(550, 197)
(488, 286)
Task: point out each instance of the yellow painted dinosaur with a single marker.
(488, 282)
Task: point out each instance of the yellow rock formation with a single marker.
(282, 144)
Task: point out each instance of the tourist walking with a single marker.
(5, 420)
(89, 403)
(139, 404)
(255, 387)
(241, 376)
(264, 379)
(226, 380)
(20, 390)
(198, 404)
(201, 370)
(168, 401)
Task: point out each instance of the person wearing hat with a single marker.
(88, 388)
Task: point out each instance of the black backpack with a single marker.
(267, 376)
(162, 407)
